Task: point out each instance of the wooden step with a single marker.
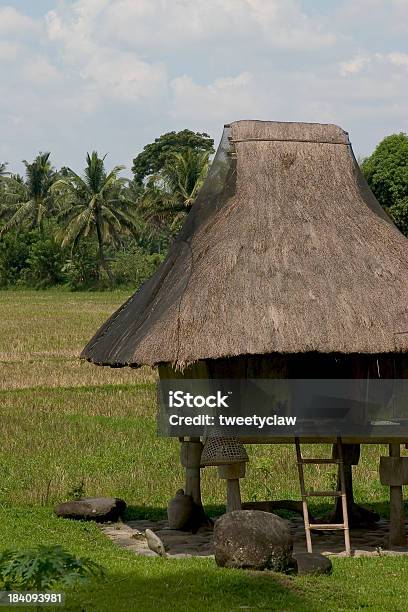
(322, 494)
(321, 461)
(327, 527)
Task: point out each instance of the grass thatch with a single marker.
(286, 250)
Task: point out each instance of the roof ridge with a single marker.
(235, 140)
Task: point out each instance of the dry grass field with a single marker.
(64, 422)
(73, 421)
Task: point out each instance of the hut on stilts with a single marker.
(286, 267)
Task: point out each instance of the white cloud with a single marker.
(225, 99)
(54, 26)
(107, 44)
(174, 23)
(377, 18)
(114, 73)
(398, 59)
(40, 70)
(361, 63)
(287, 27)
(8, 51)
(139, 68)
(353, 66)
(399, 13)
(363, 8)
(124, 77)
(12, 22)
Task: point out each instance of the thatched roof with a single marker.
(286, 250)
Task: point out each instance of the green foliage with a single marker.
(155, 155)
(44, 263)
(39, 176)
(386, 171)
(27, 203)
(43, 567)
(36, 259)
(117, 230)
(94, 205)
(59, 227)
(32, 257)
(77, 491)
(184, 175)
(399, 213)
(133, 266)
(14, 250)
(170, 193)
(81, 270)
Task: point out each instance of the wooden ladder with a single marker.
(344, 526)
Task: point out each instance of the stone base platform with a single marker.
(179, 544)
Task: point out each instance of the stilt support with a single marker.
(190, 455)
(232, 473)
(397, 519)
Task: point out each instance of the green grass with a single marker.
(106, 436)
(136, 583)
(63, 421)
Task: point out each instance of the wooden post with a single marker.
(190, 456)
(305, 509)
(232, 473)
(351, 456)
(233, 495)
(343, 490)
(397, 535)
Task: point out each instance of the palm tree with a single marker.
(184, 175)
(94, 204)
(28, 202)
(170, 194)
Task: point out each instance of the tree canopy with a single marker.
(386, 171)
(170, 193)
(98, 229)
(28, 202)
(156, 155)
(94, 205)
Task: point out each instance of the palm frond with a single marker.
(25, 212)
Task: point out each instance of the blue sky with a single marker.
(112, 75)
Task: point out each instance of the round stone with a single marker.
(252, 539)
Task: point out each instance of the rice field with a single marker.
(66, 423)
(73, 421)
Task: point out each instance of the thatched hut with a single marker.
(286, 266)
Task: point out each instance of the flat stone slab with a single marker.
(179, 544)
(312, 563)
(101, 509)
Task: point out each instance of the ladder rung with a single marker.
(320, 461)
(328, 527)
(322, 494)
(309, 528)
